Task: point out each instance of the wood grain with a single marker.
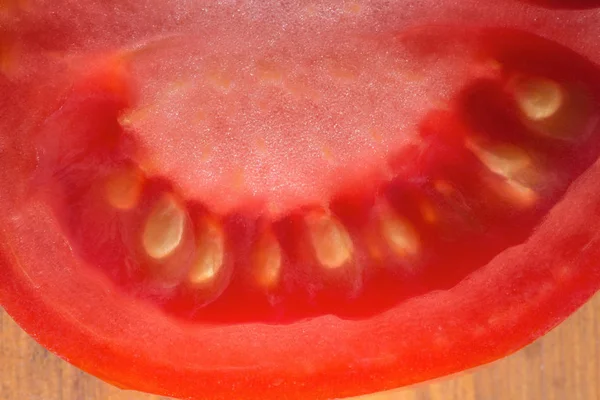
(564, 365)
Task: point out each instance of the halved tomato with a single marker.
(296, 199)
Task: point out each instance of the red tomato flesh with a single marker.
(293, 200)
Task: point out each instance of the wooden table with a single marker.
(564, 365)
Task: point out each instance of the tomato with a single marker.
(296, 199)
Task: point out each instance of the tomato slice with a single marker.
(296, 200)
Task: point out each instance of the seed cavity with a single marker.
(210, 253)
(267, 261)
(399, 234)
(163, 231)
(330, 240)
(124, 187)
(538, 98)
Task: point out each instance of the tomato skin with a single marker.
(79, 314)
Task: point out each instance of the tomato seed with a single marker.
(398, 233)
(267, 261)
(539, 98)
(517, 193)
(164, 228)
(505, 160)
(210, 254)
(331, 241)
(123, 188)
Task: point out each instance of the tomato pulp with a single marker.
(296, 199)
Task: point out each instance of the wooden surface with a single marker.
(564, 365)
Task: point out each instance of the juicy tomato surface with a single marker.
(296, 199)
